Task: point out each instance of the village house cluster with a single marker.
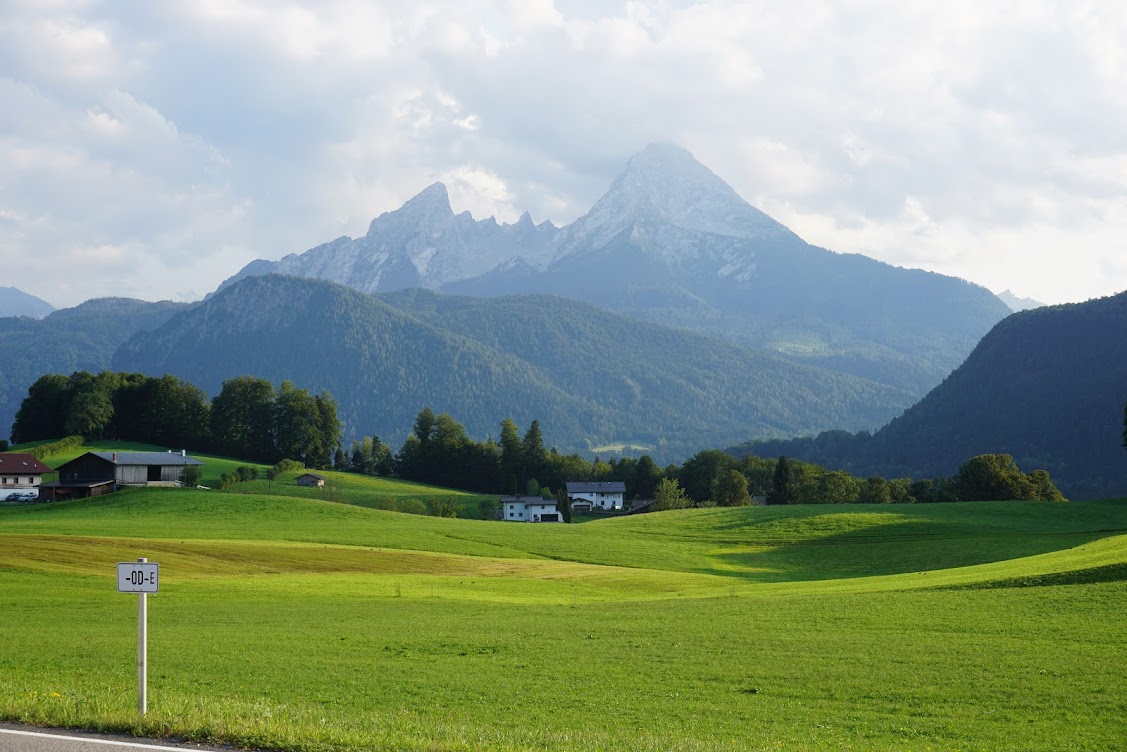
(582, 496)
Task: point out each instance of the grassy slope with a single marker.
(378, 493)
(311, 625)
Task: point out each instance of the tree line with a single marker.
(252, 420)
(439, 452)
(249, 418)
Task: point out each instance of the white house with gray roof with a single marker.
(605, 496)
(529, 509)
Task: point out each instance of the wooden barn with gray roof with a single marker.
(97, 473)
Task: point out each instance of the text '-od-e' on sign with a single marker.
(137, 577)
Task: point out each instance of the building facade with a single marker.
(603, 496)
(97, 473)
(529, 509)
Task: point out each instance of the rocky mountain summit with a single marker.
(421, 244)
(1015, 303)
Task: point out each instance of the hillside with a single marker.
(588, 375)
(80, 338)
(747, 545)
(1046, 385)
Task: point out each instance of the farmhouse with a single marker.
(97, 473)
(311, 479)
(598, 495)
(529, 509)
(20, 471)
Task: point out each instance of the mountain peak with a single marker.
(434, 194)
(1015, 303)
(670, 160)
(429, 205)
(665, 184)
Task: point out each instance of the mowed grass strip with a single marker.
(374, 572)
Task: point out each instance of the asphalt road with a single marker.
(14, 738)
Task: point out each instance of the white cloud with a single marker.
(981, 139)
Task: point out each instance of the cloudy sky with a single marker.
(152, 149)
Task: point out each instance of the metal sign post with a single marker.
(141, 577)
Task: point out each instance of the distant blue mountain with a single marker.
(15, 302)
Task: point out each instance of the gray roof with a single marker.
(526, 500)
(147, 458)
(604, 486)
(312, 475)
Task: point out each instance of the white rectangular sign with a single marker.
(137, 577)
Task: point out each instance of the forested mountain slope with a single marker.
(80, 338)
(590, 376)
(1046, 385)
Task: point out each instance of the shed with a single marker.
(311, 479)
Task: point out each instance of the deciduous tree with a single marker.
(993, 477)
(242, 419)
(669, 495)
(875, 490)
(729, 489)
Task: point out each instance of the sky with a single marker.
(151, 150)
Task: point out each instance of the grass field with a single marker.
(294, 623)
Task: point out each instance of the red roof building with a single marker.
(20, 471)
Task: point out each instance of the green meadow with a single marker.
(367, 491)
(298, 623)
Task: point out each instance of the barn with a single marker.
(97, 473)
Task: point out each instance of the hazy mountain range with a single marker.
(672, 243)
(1018, 304)
(677, 316)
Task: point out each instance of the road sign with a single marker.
(137, 577)
(141, 577)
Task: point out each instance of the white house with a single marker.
(529, 509)
(20, 471)
(601, 495)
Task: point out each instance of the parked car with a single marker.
(28, 496)
(14, 496)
